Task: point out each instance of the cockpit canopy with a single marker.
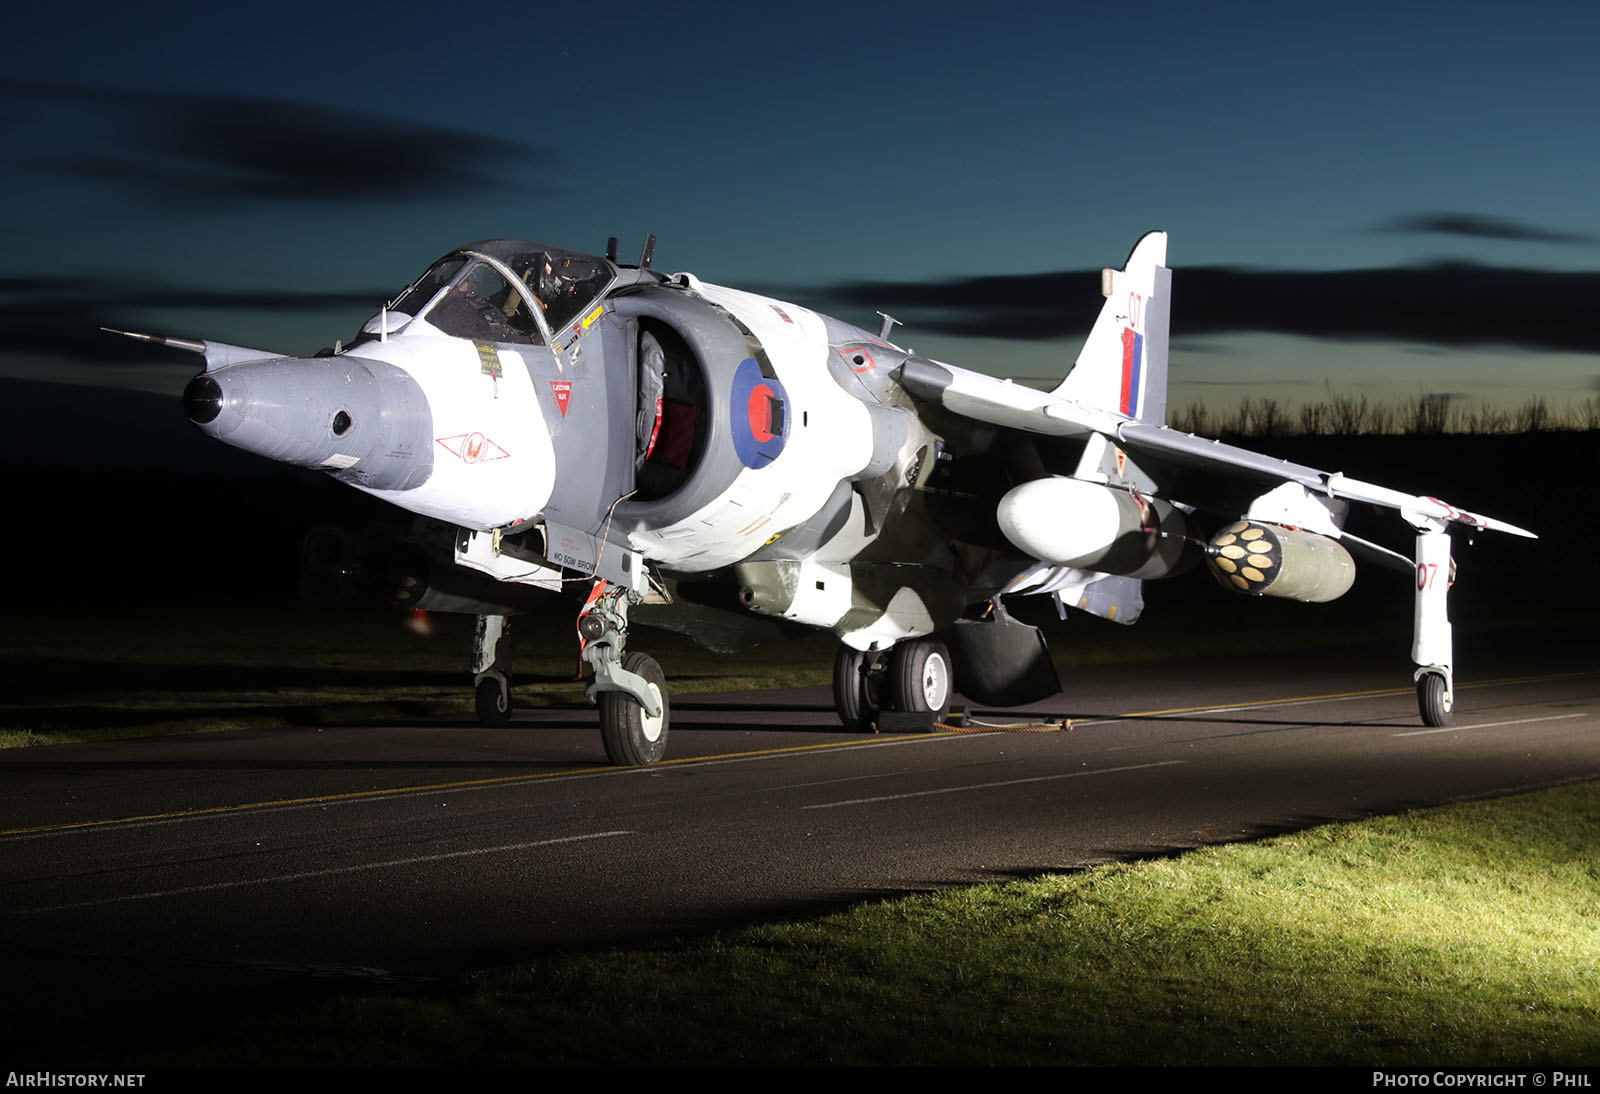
(505, 290)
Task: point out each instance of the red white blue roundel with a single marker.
(760, 415)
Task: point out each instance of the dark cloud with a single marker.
(60, 318)
(1447, 304)
(1019, 306)
(1474, 226)
(188, 150)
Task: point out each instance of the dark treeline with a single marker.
(125, 537)
(1346, 413)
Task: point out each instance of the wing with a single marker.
(999, 402)
(1137, 481)
(1117, 391)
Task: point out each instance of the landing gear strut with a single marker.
(491, 670)
(1431, 647)
(629, 687)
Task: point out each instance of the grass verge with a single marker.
(1464, 935)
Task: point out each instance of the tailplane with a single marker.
(1123, 366)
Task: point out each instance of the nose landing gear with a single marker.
(630, 688)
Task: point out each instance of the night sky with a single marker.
(1394, 199)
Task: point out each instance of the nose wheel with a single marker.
(631, 734)
(630, 688)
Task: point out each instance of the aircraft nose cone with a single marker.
(364, 421)
(202, 400)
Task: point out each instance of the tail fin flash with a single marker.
(1123, 366)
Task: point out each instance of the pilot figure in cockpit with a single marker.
(566, 283)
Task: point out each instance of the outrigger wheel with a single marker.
(1431, 647)
(1433, 699)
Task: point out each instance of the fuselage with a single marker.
(711, 431)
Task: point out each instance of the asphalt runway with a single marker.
(152, 886)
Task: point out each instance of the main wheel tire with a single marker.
(852, 698)
(494, 705)
(1433, 699)
(633, 738)
(920, 677)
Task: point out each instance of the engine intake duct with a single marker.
(1259, 559)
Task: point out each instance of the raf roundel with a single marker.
(759, 415)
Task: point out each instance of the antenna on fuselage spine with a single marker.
(648, 253)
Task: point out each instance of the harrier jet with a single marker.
(739, 468)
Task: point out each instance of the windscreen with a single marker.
(484, 306)
(438, 276)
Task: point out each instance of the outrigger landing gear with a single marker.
(491, 669)
(914, 677)
(1431, 646)
(629, 687)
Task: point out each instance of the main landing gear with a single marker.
(913, 677)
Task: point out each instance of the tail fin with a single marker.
(1123, 366)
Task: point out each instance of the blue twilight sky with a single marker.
(1385, 198)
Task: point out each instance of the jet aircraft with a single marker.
(739, 468)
